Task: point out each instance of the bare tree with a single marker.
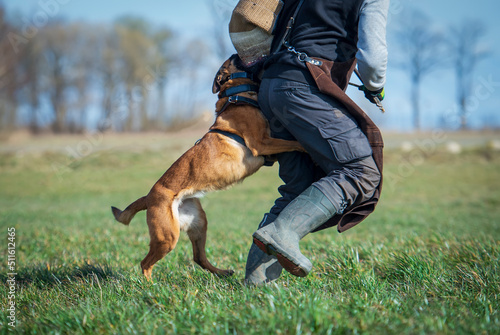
(107, 64)
(10, 80)
(63, 72)
(466, 51)
(30, 93)
(137, 53)
(422, 52)
(57, 42)
(83, 72)
(162, 62)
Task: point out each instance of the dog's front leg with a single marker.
(270, 146)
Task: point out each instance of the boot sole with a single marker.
(285, 262)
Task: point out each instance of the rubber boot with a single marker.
(281, 238)
(262, 268)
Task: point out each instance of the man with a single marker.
(338, 172)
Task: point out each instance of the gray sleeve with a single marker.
(372, 44)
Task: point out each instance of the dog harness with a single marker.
(232, 92)
(233, 98)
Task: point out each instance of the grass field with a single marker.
(426, 262)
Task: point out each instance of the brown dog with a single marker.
(215, 162)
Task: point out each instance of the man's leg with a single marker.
(262, 268)
(296, 169)
(298, 172)
(337, 145)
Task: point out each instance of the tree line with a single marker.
(68, 76)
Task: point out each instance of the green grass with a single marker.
(427, 261)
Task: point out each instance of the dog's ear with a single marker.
(217, 81)
(226, 68)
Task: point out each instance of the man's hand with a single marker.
(373, 96)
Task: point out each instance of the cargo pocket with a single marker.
(348, 143)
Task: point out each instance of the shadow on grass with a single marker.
(47, 276)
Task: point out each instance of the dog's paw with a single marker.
(301, 148)
(225, 273)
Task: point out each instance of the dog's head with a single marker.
(227, 68)
(230, 66)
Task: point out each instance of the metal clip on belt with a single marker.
(303, 57)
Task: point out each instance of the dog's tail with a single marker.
(128, 214)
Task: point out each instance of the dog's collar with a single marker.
(245, 74)
(239, 89)
(242, 75)
(238, 75)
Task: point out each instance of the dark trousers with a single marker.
(338, 160)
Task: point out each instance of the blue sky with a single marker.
(192, 18)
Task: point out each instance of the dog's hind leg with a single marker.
(128, 214)
(195, 224)
(164, 232)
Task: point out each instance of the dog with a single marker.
(232, 149)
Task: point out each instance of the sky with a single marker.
(194, 19)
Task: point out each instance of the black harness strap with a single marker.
(289, 27)
(235, 137)
(240, 140)
(233, 98)
(239, 100)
